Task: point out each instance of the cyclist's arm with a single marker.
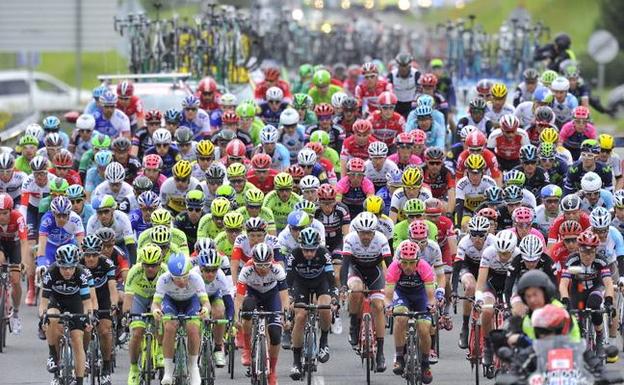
(563, 288)
(457, 265)
(481, 280)
(229, 306)
(43, 242)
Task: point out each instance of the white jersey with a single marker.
(166, 287)
(262, 283)
(288, 243)
(616, 165)
(34, 191)
(491, 260)
(528, 198)
(542, 220)
(242, 242)
(378, 177)
(121, 225)
(171, 196)
(221, 285)
(404, 88)
(399, 198)
(524, 113)
(125, 193)
(118, 124)
(14, 186)
(366, 256)
(191, 156)
(466, 250)
(494, 116)
(385, 226)
(473, 195)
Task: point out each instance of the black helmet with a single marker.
(530, 74)
(350, 104)
(544, 114)
(563, 41)
(537, 278)
(403, 59)
(309, 238)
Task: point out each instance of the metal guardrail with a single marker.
(9, 135)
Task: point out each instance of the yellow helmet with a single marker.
(219, 207)
(182, 169)
(283, 180)
(374, 204)
(549, 135)
(233, 220)
(236, 170)
(606, 142)
(150, 254)
(161, 235)
(161, 217)
(499, 90)
(475, 162)
(254, 197)
(205, 148)
(412, 177)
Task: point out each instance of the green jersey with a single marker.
(256, 127)
(240, 197)
(401, 232)
(529, 331)
(309, 118)
(279, 208)
(23, 164)
(207, 228)
(86, 161)
(265, 213)
(44, 205)
(178, 239)
(138, 284)
(319, 98)
(333, 157)
(224, 246)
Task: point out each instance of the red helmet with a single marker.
(483, 87)
(428, 80)
(354, 70)
(236, 148)
(355, 165)
(420, 137)
(362, 126)
(551, 319)
(63, 158)
(581, 112)
(369, 68)
(588, 238)
(509, 122)
(207, 84)
(6, 202)
(271, 74)
(296, 171)
(261, 161)
(404, 138)
(489, 213)
(152, 161)
(324, 109)
(327, 192)
(230, 117)
(387, 98)
(153, 116)
(476, 139)
(125, 88)
(433, 206)
(418, 230)
(570, 228)
(523, 215)
(409, 250)
(317, 147)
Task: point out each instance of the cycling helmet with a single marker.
(580, 112)
(548, 77)
(321, 78)
(478, 104)
(412, 177)
(190, 101)
(233, 220)
(362, 126)
(152, 161)
(85, 122)
(60, 205)
(528, 153)
(236, 170)
(59, 186)
(387, 98)
(67, 256)
(39, 163)
(356, 165)
(377, 149)
(530, 75)
(153, 116)
(125, 88)
(418, 230)
(269, 134)
(600, 218)
(103, 158)
(476, 140)
(493, 195)
(246, 110)
(338, 99)
(549, 135)
(514, 177)
(172, 116)
(551, 191)
(306, 157)
(365, 221)
(428, 80)
(323, 109)
(149, 254)
(590, 145)
(205, 244)
(75, 191)
(563, 41)
(236, 148)
(108, 98)
(260, 162)
(262, 253)
(320, 136)
(227, 192)
(425, 100)
(204, 148)
(374, 204)
(35, 130)
(433, 206)
(289, 117)
(537, 278)
(484, 87)
(98, 91)
(316, 147)
(184, 135)
(543, 95)
(414, 206)
(101, 142)
(121, 144)
(499, 90)
(523, 215)
(219, 207)
(570, 229)
(103, 203)
(549, 320)
(254, 197)
(606, 142)
(489, 213)
(274, 94)
(466, 130)
(403, 59)
(369, 68)
(547, 150)
(588, 239)
(475, 162)
(63, 158)
(92, 244)
(51, 123)
(271, 73)
(591, 182)
(420, 137)
(301, 101)
(228, 100)
(161, 235)
(309, 239)
(531, 248)
(327, 192)
(509, 122)
(161, 136)
(423, 111)
(179, 265)
(570, 202)
(298, 218)
(436, 63)
(309, 182)
(506, 241)
(394, 178)
(256, 224)
(161, 217)
(148, 199)
(208, 258)
(194, 199)
(560, 84)
(570, 71)
(434, 153)
(284, 180)
(53, 139)
(28, 140)
(618, 199)
(479, 224)
(115, 173)
(7, 161)
(106, 234)
(408, 250)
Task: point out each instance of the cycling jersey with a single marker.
(404, 87)
(220, 286)
(368, 96)
(616, 164)
(63, 291)
(590, 277)
(498, 269)
(299, 267)
(400, 232)
(351, 149)
(102, 273)
(468, 254)
(378, 177)
(121, 225)
(504, 148)
(524, 112)
(58, 236)
(168, 160)
(484, 125)
(563, 110)
(521, 94)
(265, 213)
(572, 182)
(165, 286)
(535, 182)
(134, 110)
(445, 231)
(270, 116)
(385, 130)
(137, 282)
(542, 220)
(604, 200)
(399, 198)
(117, 125)
(336, 135)
(138, 223)
(178, 239)
(352, 196)
(293, 142)
(174, 199)
(32, 192)
(436, 134)
(241, 253)
(471, 195)
(200, 125)
(279, 208)
(414, 160)
(23, 164)
(611, 249)
(13, 186)
(430, 254)
(558, 171)
(262, 88)
(288, 243)
(494, 116)
(125, 194)
(410, 283)
(366, 256)
(280, 157)
(490, 162)
(318, 97)
(94, 178)
(553, 233)
(439, 184)
(517, 268)
(143, 140)
(571, 138)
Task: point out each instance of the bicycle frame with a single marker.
(310, 347)
(5, 304)
(475, 338)
(181, 373)
(413, 368)
(587, 327)
(259, 369)
(207, 365)
(66, 356)
(149, 346)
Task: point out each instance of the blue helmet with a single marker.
(423, 110)
(99, 91)
(425, 100)
(75, 191)
(543, 95)
(67, 255)
(60, 205)
(298, 218)
(208, 258)
(190, 101)
(394, 177)
(103, 158)
(493, 195)
(108, 98)
(179, 265)
(148, 199)
(51, 123)
(172, 116)
(551, 191)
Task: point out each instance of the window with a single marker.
(13, 87)
(46, 86)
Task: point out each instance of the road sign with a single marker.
(602, 46)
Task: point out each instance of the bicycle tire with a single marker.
(477, 351)
(231, 351)
(3, 321)
(367, 348)
(309, 343)
(207, 362)
(180, 371)
(146, 360)
(94, 349)
(66, 360)
(262, 358)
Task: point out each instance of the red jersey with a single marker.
(368, 96)
(490, 162)
(265, 186)
(553, 232)
(16, 229)
(508, 149)
(350, 148)
(385, 130)
(445, 230)
(349, 85)
(134, 110)
(559, 255)
(209, 106)
(441, 183)
(73, 176)
(262, 87)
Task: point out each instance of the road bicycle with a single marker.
(413, 369)
(207, 368)
(94, 352)
(587, 327)
(259, 369)
(148, 365)
(230, 347)
(501, 313)
(5, 305)
(181, 375)
(65, 353)
(310, 346)
(475, 337)
(367, 341)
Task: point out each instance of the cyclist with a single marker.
(574, 133)
(378, 164)
(524, 90)
(121, 154)
(262, 284)
(386, 122)
(204, 158)
(324, 114)
(476, 117)
(534, 176)
(173, 191)
(439, 177)
(586, 163)
(297, 221)
(28, 143)
(249, 122)
(506, 141)
(611, 247)
(164, 147)
(195, 118)
(592, 194)
(180, 291)
(551, 163)
(393, 183)
(96, 174)
(261, 175)
(11, 180)
(152, 166)
(568, 233)
(210, 225)
(412, 182)
(303, 103)
(138, 293)
(80, 141)
(309, 271)
(52, 125)
(282, 200)
(279, 153)
(272, 108)
(108, 216)
(94, 106)
(115, 186)
(224, 241)
(435, 133)
(368, 92)
(323, 89)
(59, 226)
(404, 80)
(414, 210)
(148, 201)
(112, 121)
(353, 188)
(475, 144)
(309, 186)
(185, 143)
(548, 210)
(608, 157)
(319, 142)
(254, 208)
(66, 289)
(172, 119)
(62, 164)
(102, 272)
(570, 210)
(428, 86)
(497, 107)
(350, 113)
(272, 80)
(215, 178)
(409, 287)
(115, 254)
(471, 189)
(356, 145)
(13, 247)
(53, 143)
(305, 72)
(188, 220)
(564, 102)
(466, 266)
(130, 104)
(76, 195)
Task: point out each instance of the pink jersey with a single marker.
(568, 130)
(413, 161)
(396, 276)
(535, 232)
(343, 186)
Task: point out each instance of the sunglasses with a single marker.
(325, 118)
(530, 162)
(154, 123)
(605, 151)
(194, 209)
(74, 201)
(387, 107)
(434, 163)
(478, 234)
(297, 228)
(209, 269)
(408, 262)
(569, 240)
(549, 159)
(102, 212)
(593, 193)
(61, 215)
(185, 180)
(150, 265)
(207, 93)
(370, 76)
(275, 102)
(204, 158)
(601, 230)
(237, 181)
(405, 146)
(356, 174)
(190, 109)
(162, 145)
(40, 173)
(262, 265)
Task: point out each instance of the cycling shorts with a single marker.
(269, 301)
(104, 301)
(372, 278)
(140, 305)
(33, 221)
(72, 305)
(303, 289)
(189, 307)
(472, 269)
(414, 301)
(12, 251)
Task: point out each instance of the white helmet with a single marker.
(115, 173)
(560, 84)
(467, 129)
(161, 136)
(338, 98)
(365, 221)
(289, 116)
(377, 149)
(309, 182)
(591, 182)
(306, 157)
(35, 130)
(600, 218)
(228, 100)
(269, 134)
(506, 241)
(479, 223)
(274, 93)
(531, 248)
(85, 122)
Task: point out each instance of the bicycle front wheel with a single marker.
(94, 353)
(231, 352)
(367, 342)
(146, 361)
(67, 362)
(3, 319)
(476, 351)
(180, 361)
(207, 363)
(261, 362)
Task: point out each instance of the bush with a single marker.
(614, 76)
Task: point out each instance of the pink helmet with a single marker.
(523, 215)
(355, 165)
(387, 98)
(409, 250)
(419, 136)
(418, 230)
(581, 112)
(152, 161)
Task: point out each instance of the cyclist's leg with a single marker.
(301, 295)
(487, 315)
(217, 311)
(53, 333)
(105, 329)
(594, 302)
(467, 277)
(355, 302)
(399, 305)
(271, 301)
(32, 221)
(192, 307)
(375, 280)
(77, 334)
(169, 307)
(137, 328)
(250, 303)
(13, 256)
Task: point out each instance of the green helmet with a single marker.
(226, 191)
(59, 186)
(101, 142)
(548, 77)
(305, 70)
(161, 217)
(219, 207)
(194, 198)
(149, 254)
(301, 101)
(254, 197)
(161, 235)
(321, 78)
(571, 71)
(246, 110)
(28, 140)
(320, 136)
(514, 178)
(307, 206)
(547, 150)
(414, 206)
(436, 63)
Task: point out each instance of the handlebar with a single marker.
(216, 321)
(260, 314)
(312, 307)
(412, 314)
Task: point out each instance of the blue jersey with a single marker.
(200, 125)
(215, 118)
(605, 200)
(137, 222)
(59, 236)
(269, 116)
(563, 111)
(170, 158)
(87, 212)
(385, 194)
(612, 248)
(93, 179)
